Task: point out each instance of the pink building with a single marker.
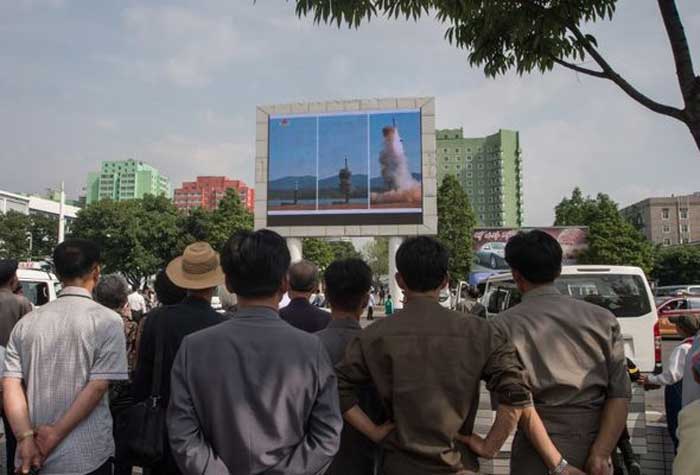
(207, 191)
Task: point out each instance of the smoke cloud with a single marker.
(402, 187)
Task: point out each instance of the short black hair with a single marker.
(75, 258)
(8, 269)
(112, 291)
(167, 292)
(423, 263)
(255, 263)
(303, 276)
(535, 255)
(347, 283)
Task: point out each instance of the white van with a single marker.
(39, 286)
(621, 289)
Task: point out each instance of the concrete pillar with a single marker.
(394, 289)
(295, 248)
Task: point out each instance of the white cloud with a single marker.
(179, 45)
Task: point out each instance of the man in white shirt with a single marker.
(137, 304)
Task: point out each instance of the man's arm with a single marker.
(191, 451)
(507, 418)
(48, 437)
(357, 418)
(322, 439)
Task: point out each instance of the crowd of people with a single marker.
(260, 389)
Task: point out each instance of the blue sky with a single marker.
(342, 136)
(408, 124)
(176, 84)
(292, 147)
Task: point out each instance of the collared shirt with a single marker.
(56, 350)
(304, 316)
(356, 455)
(136, 302)
(427, 362)
(573, 350)
(12, 308)
(674, 367)
(253, 395)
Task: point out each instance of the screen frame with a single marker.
(428, 214)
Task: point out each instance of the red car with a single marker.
(675, 307)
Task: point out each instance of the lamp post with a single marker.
(31, 244)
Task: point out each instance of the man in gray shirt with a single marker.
(65, 354)
(254, 394)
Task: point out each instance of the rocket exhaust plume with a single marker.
(401, 185)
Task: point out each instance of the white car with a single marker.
(621, 289)
(39, 286)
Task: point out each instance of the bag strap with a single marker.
(157, 364)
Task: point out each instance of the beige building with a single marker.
(667, 221)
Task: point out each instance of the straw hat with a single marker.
(197, 268)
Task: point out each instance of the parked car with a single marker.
(622, 290)
(675, 307)
(39, 286)
(492, 254)
(663, 293)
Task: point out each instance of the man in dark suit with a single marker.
(303, 281)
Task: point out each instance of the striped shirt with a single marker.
(56, 350)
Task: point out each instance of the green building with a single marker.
(490, 170)
(125, 180)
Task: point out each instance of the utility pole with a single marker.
(61, 215)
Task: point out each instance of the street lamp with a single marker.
(31, 244)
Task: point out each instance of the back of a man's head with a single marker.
(112, 291)
(255, 263)
(8, 271)
(75, 258)
(167, 292)
(422, 262)
(303, 276)
(347, 284)
(535, 255)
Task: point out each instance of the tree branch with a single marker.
(580, 69)
(679, 46)
(630, 90)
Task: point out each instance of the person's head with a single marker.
(197, 270)
(348, 282)
(8, 274)
(134, 288)
(303, 279)
(167, 292)
(534, 258)
(688, 325)
(256, 266)
(422, 266)
(77, 263)
(112, 291)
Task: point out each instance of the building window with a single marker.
(666, 229)
(684, 228)
(665, 213)
(684, 213)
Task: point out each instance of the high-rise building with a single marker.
(667, 220)
(490, 170)
(207, 191)
(125, 180)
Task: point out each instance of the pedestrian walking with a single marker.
(254, 394)
(300, 313)
(370, 306)
(137, 303)
(672, 376)
(198, 272)
(59, 362)
(347, 284)
(382, 295)
(388, 306)
(427, 370)
(574, 354)
(112, 291)
(13, 306)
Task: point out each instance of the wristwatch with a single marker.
(559, 469)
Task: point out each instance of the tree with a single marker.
(529, 35)
(377, 255)
(229, 217)
(612, 240)
(344, 250)
(44, 231)
(137, 237)
(677, 265)
(15, 229)
(456, 223)
(318, 251)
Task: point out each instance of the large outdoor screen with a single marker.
(345, 168)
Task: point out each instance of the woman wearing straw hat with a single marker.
(198, 271)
